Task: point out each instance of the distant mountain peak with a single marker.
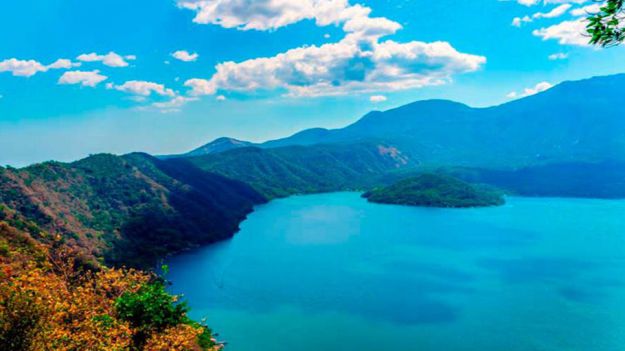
(227, 140)
(219, 145)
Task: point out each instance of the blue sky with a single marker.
(80, 77)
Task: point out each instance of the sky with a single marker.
(79, 77)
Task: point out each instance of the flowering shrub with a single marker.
(48, 301)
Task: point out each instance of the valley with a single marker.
(312, 175)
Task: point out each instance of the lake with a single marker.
(334, 272)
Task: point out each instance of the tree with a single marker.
(49, 301)
(150, 310)
(605, 27)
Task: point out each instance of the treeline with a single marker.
(292, 170)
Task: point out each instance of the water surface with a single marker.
(333, 272)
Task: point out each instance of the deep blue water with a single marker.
(333, 272)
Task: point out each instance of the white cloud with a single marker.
(174, 104)
(565, 1)
(28, 68)
(566, 33)
(143, 88)
(201, 86)
(111, 59)
(84, 78)
(538, 88)
(248, 14)
(360, 62)
(555, 12)
(528, 2)
(558, 56)
(273, 14)
(586, 10)
(64, 63)
(141, 92)
(339, 68)
(22, 68)
(185, 56)
(377, 98)
(517, 21)
(555, 2)
(549, 2)
(571, 31)
(374, 27)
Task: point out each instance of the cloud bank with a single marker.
(361, 62)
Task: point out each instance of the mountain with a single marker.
(578, 121)
(129, 210)
(291, 170)
(436, 190)
(589, 180)
(219, 145)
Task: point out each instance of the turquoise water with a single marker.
(333, 272)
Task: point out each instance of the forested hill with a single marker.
(298, 169)
(577, 121)
(590, 180)
(127, 210)
(436, 190)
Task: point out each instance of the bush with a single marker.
(150, 310)
(20, 317)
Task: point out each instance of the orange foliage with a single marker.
(48, 303)
(180, 338)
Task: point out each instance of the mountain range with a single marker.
(134, 209)
(577, 121)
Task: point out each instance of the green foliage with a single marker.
(151, 310)
(132, 210)
(4, 248)
(605, 27)
(206, 340)
(436, 190)
(285, 171)
(104, 321)
(22, 316)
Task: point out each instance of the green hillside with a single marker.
(129, 210)
(436, 190)
(296, 170)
